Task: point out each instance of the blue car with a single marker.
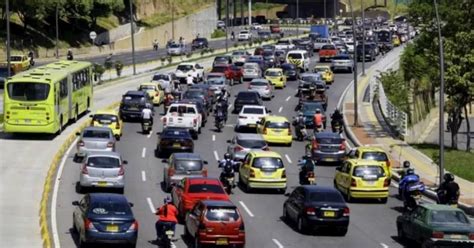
(308, 109)
(105, 218)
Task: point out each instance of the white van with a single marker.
(300, 58)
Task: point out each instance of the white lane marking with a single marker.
(230, 106)
(148, 136)
(143, 176)
(150, 204)
(280, 109)
(213, 137)
(288, 158)
(287, 99)
(246, 208)
(384, 245)
(143, 152)
(277, 243)
(216, 155)
(54, 224)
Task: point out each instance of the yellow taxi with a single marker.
(263, 169)
(154, 90)
(110, 119)
(276, 77)
(326, 74)
(275, 129)
(395, 40)
(372, 153)
(362, 179)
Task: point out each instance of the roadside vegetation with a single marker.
(218, 33)
(456, 161)
(1, 118)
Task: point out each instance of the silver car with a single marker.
(243, 143)
(104, 170)
(263, 87)
(217, 84)
(342, 62)
(95, 139)
(181, 165)
(251, 71)
(175, 49)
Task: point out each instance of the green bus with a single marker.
(45, 99)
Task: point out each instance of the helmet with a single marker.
(318, 110)
(336, 111)
(448, 177)
(167, 200)
(411, 171)
(300, 114)
(226, 156)
(406, 164)
(308, 154)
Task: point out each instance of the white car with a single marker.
(284, 45)
(256, 26)
(239, 56)
(164, 79)
(184, 69)
(251, 71)
(342, 62)
(249, 116)
(318, 43)
(244, 35)
(350, 46)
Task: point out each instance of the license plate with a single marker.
(329, 214)
(371, 183)
(222, 241)
(268, 174)
(112, 228)
(456, 236)
(102, 184)
(252, 125)
(176, 145)
(329, 159)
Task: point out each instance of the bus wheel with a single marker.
(88, 105)
(60, 130)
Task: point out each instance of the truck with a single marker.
(320, 31)
(183, 115)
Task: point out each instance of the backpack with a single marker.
(228, 167)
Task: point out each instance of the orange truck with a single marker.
(327, 52)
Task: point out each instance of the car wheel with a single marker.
(384, 200)
(350, 70)
(187, 234)
(400, 234)
(300, 226)
(342, 231)
(285, 215)
(197, 243)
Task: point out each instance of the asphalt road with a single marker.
(372, 224)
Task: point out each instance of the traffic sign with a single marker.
(92, 35)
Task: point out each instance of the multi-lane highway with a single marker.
(372, 224)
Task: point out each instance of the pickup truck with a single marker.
(183, 115)
(327, 52)
(284, 45)
(183, 69)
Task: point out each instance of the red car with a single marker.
(191, 190)
(223, 68)
(217, 223)
(327, 52)
(237, 75)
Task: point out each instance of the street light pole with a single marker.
(7, 7)
(297, 17)
(132, 29)
(227, 26)
(172, 19)
(57, 31)
(325, 16)
(363, 37)
(441, 97)
(250, 12)
(354, 59)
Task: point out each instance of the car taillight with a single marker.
(266, 148)
(289, 131)
(310, 211)
(84, 169)
(204, 172)
(121, 171)
(117, 126)
(346, 212)
(265, 131)
(133, 227)
(471, 236)
(171, 172)
(238, 148)
(252, 173)
(388, 163)
(437, 235)
(195, 121)
(342, 147)
(80, 143)
(88, 225)
(242, 227)
(353, 183)
(242, 117)
(386, 183)
(283, 174)
(110, 144)
(164, 121)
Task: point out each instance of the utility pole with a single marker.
(172, 19)
(57, 30)
(335, 15)
(325, 15)
(7, 7)
(242, 20)
(363, 37)
(297, 17)
(441, 97)
(250, 13)
(132, 29)
(227, 26)
(354, 59)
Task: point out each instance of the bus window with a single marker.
(63, 89)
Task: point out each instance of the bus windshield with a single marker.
(28, 91)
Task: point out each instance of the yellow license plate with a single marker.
(112, 228)
(330, 159)
(102, 183)
(222, 241)
(252, 125)
(329, 214)
(176, 145)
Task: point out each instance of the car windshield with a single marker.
(174, 46)
(185, 67)
(295, 56)
(221, 59)
(182, 109)
(325, 197)
(378, 156)
(133, 98)
(252, 144)
(368, 170)
(253, 111)
(320, 69)
(448, 217)
(273, 73)
(160, 77)
(267, 163)
(206, 188)
(312, 107)
(215, 81)
(329, 140)
(259, 83)
(278, 125)
(147, 87)
(341, 57)
(283, 42)
(267, 53)
(309, 78)
(236, 53)
(222, 214)
(104, 118)
(288, 66)
(188, 165)
(103, 162)
(108, 207)
(244, 32)
(175, 132)
(96, 134)
(250, 66)
(28, 91)
(190, 94)
(219, 69)
(328, 47)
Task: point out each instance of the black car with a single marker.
(264, 35)
(104, 218)
(172, 140)
(246, 98)
(223, 59)
(370, 53)
(198, 94)
(200, 105)
(199, 43)
(269, 58)
(290, 71)
(312, 207)
(132, 104)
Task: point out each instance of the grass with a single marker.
(456, 161)
(218, 33)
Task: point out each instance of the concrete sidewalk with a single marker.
(373, 131)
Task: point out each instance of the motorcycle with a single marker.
(219, 122)
(228, 183)
(412, 198)
(165, 241)
(318, 129)
(301, 134)
(146, 127)
(310, 178)
(337, 127)
(441, 198)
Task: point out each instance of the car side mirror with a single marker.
(125, 162)
(339, 168)
(78, 134)
(91, 116)
(75, 203)
(287, 194)
(327, 87)
(205, 162)
(228, 141)
(131, 204)
(164, 160)
(268, 110)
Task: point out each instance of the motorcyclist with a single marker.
(406, 166)
(31, 56)
(189, 80)
(167, 218)
(409, 178)
(147, 114)
(228, 168)
(69, 54)
(336, 117)
(232, 35)
(299, 124)
(155, 45)
(448, 191)
(307, 165)
(317, 120)
(221, 111)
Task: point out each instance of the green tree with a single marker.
(104, 8)
(29, 11)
